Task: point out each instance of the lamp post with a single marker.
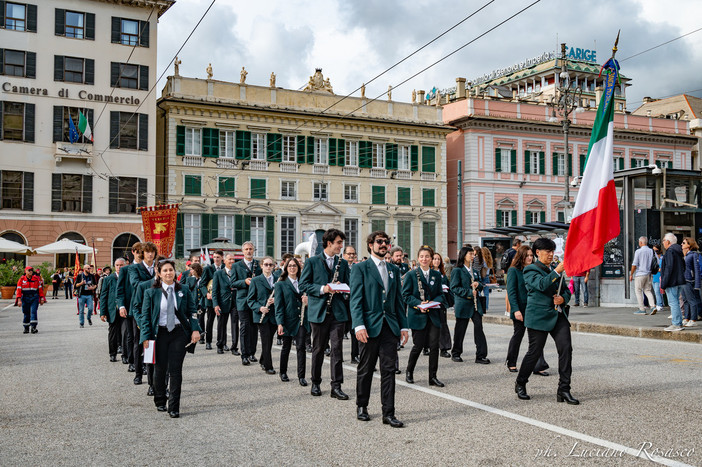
(565, 101)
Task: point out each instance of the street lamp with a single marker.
(565, 101)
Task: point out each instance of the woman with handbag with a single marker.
(419, 287)
(437, 264)
(292, 323)
(517, 295)
(168, 317)
(690, 290)
(546, 313)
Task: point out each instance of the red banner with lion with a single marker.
(160, 226)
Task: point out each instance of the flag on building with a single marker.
(84, 126)
(72, 132)
(595, 218)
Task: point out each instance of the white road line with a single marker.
(640, 453)
(8, 306)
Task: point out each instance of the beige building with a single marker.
(58, 60)
(274, 165)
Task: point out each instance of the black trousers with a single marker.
(222, 321)
(55, 290)
(127, 339)
(459, 334)
(421, 338)
(445, 337)
(354, 345)
(68, 289)
(170, 353)
(114, 335)
(138, 348)
(384, 346)
(247, 333)
(209, 327)
(514, 344)
(267, 330)
(322, 333)
(234, 323)
(299, 347)
(537, 340)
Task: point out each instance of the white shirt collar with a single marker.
(165, 287)
(376, 260)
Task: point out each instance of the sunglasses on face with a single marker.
(382, 241)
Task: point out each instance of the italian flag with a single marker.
(84, 126)
(596, 215)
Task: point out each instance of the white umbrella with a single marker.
(63, 246)
(8, 246)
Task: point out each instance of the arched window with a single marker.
(122, 246)
(68, 260)
(15, 237)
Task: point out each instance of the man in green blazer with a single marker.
(124, 302)
(244, 271)
(208, 273)
(327, 311)
(139, 272)
(108, 310)
(224, 300)
(378, 319)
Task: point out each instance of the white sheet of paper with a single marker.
(150, 353)
(426, 306)
(444, 287)
(340, 288)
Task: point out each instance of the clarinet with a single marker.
(263, 315)
(334, 279)
(419, 285)
(302, 314)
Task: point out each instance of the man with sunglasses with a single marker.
(327, 311)
(30, 294)
(87, 284)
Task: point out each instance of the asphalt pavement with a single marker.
(64, 403)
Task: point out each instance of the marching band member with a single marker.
(108, 309)
(244, 272)
(292, 323)
(261, 302)
(223, 299)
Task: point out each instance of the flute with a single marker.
(263, 315)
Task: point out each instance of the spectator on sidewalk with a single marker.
(55, 284)
(673, 278)
(85, 286)
(506, 263)
(579, 281)
(690, 290)
(68, 283)
(656, 279)
(641, 275)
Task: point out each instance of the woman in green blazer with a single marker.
(168, 316)
(546, 313)
(517, 296)
(437, 263)
(261, 303)
(288, 308)
(466, 287)
(420, 286)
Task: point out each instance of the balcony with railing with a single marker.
(403, 175)
(226, 163)
(351, 171)
(320, 169)
(428, 176)
(378, 173)
(258, 165)
(193, 161)
(76, 151)
(289, 167)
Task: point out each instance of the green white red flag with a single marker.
(84, 126)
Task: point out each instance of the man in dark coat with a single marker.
(672, 278)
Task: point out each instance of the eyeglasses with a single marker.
(381, 241)
(351, 254)
(267, 264)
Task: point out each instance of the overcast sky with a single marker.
(355, 40)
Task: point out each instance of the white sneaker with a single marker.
(673, 327)
(690, 323)
(670, 317)
(685, 322)
(507, 314)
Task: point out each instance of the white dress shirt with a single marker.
(377, 265)
(163, 315)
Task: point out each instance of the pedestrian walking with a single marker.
(691, 289)
(30, 294)
(656, 280)
(580, 283)
(85, 288)
(673, 279)
(641, 275)
(55, 284)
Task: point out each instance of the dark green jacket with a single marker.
(185, 312)
(371, 304)
(223, 291)
(138, 300)
(138, 274)
(241, 273)
(207, 275)
(542, 284)
(462, 291)
(124, 293)
(516, 291)
(108, 298)
(432, 292)
(314, 276)
(404, 268)
(259, 291)
(288, 305)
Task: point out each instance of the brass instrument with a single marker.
(209, 287)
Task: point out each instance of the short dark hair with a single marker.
(373, 235)
(219, 252)
(287, 256)
(150, 246)
(543, 243)
(462, 254)
(330, 235)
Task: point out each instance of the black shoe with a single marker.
(81, 325)
(308, 349)
(90, 322)
(35, 330)
(137, 380)
(393, 422)
(303, 382)
(225, 348)
(220, 351)
(521, 392)
(541, 373)
(252, 358)
(482, 361)
(398, 347)
(445, 354)
(457, 359)
(339, 394)
(125, 360)
(161, 408)
(435, 382)
(208, 346)
(564, 396)
(398, 371)
(425, 352)
(355, 360)
(235, 352)
(284, 377)
(245, 361)
(131, 368)
(315, 391)
(278, 342)
(512, 369)
(201, 341)
(327, 352)
(174, 414)
(263, 368)
(144, 371)
(150, 392)
(113, 358)
(362, 414)
(270, 371)
(119, 349)
(26, 331)
(409, 377)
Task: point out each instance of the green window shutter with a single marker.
(332, 151)
(555, 164)
(378, 194)
(404, 235)
(270, 236)
(404, 195)
(513, 161)
(238, 229)
(569, 163)
(180, 140)
(243, 145)
(227, 187)
(428, 159)
(527, 162)
(246, 228)
(258, 188)
(205, 229)
(210, 142)
(300, 149)
(498, 218)
(429, 234)
(583, 157)
(310, 150)
(561, 217)
(414, 158)
(341, 152)
(180, 237)
(365, 154)
(274, 149)
(621, 163)
(542, 216)
(498, 160)
(542, 163)
(428, 195)
(192, 185)
(514, 218)
(391, 151)
(527, 217)
(377, 224)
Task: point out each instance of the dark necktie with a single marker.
(170, 307)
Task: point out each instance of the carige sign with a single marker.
(64, 93)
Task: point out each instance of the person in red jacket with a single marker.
(30, 293)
